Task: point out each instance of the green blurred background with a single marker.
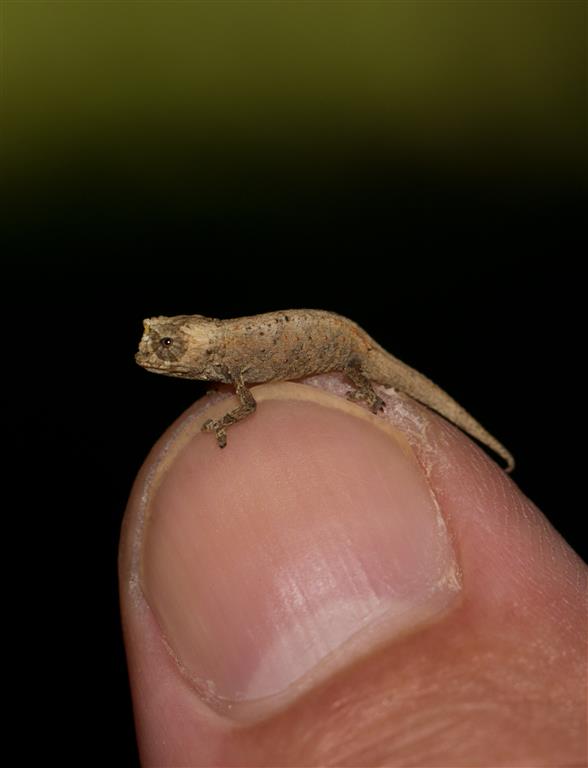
(480, 81)
(271, 116)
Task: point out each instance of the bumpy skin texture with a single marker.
(288, 345)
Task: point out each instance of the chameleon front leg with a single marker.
(364, 392)
(246, 406)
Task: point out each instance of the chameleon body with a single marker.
(289, 345)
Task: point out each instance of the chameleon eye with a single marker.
(170, 348)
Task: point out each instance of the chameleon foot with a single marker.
(213, 425)
(246, 406)
(364, 391)
(369, 399)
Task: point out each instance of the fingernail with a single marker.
(311, 538)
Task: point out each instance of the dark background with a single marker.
(432, 190)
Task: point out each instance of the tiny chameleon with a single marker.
(286, 345)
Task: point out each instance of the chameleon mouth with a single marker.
(154, 366)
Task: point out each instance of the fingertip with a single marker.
(265, 562)
(230, 569)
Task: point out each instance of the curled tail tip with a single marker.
(510, 463)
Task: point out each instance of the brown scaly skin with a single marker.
(288, 345)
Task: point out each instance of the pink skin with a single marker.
(498, 678)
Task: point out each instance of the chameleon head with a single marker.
(180, 346)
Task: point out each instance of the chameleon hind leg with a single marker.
(364, 391)
(247, 405)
